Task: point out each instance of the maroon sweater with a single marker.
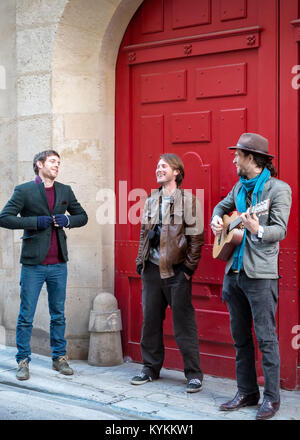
(54, 254)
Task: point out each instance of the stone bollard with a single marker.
(104, 327)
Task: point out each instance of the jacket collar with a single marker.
(57, 189)
(176, 205)
(156, 193)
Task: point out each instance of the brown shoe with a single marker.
(60, 364)
(240, 400)
(23, 370)
(267, 409)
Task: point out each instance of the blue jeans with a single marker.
(32, 280)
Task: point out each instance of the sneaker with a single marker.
(23, 370)
(140, 379)
(60, 364)
(193, 386)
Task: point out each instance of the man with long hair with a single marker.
(250, 286)
(39, 207)
(169, 251)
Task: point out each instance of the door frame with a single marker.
(288, 165)
(284, 138)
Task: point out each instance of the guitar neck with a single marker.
(238, 220)
(259, 209)
(235, 223)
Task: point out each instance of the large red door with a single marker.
(191, 77)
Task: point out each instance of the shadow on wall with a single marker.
(40, 341)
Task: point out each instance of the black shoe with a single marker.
(267, 409)
(140, 379)
(194, 385)
(240, 400)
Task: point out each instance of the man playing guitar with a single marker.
(250, 286)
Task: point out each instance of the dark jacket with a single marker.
(182, 234)
(29, 201)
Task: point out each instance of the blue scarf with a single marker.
(256, 185)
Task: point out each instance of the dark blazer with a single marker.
(261, 255)
(29, 201)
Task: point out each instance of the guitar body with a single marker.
(225, 244)
(232, 234)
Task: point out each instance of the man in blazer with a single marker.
(250, 286)
(39, 208)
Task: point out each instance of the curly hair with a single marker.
(263, 161)
(42, 157)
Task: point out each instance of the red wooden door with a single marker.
(192, 76)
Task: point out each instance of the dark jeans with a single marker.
(256, 299)
(32, 280)
(157, 294)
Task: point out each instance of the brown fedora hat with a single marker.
(254, 143)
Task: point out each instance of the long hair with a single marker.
(42, 157)
(263, 161)
(176, 164)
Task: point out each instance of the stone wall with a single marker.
(9, 153)
(65, 55)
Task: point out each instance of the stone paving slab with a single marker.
(108, 389)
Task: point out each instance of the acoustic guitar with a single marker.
(233, 231)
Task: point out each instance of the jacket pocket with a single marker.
(62, 237)
(26, 237)
(181, 242)
(30, 246)
(270, 251)
(267, 248)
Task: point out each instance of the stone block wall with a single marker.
(9, 152)
(61, 96)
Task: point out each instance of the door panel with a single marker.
(192, 82)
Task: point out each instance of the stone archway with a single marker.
(85, 51)
(64, 98)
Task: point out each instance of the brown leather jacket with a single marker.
(182, 234)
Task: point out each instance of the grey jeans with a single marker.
(256, 299)
(157, 294)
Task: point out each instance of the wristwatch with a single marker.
(260, 232)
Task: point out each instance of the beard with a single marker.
(241, 173)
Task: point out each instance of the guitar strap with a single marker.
(249, 199)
